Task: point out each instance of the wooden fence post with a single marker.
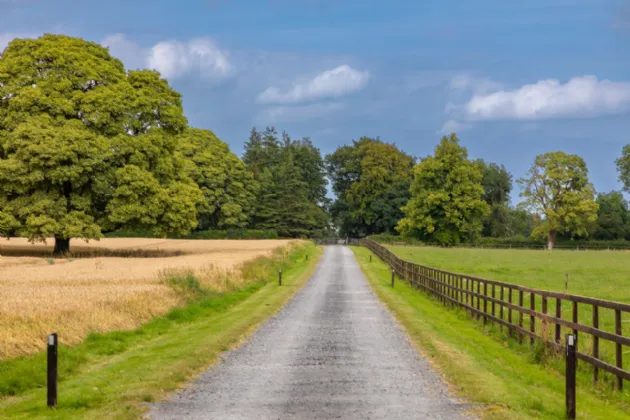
(618, 352)
(595, 342)
(280, 278)
(571, 365)
(52, 370)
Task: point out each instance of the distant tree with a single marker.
(371, 180)
(613, 217)
(497, 185)
(86, 146)
(496, 181)
(228, 188)
(291, 173)
(446, 204)
(623, 167)
(557, 188)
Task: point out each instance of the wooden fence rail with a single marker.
(509, 306)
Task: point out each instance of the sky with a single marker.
(513, 79)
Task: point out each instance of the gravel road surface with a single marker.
(334, 352)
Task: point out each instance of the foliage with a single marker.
(446, 205)
(86, 146)
(229, 189)
(371, 179)
(496, 181)
(557, 188)
(623, 167)
(292, 195)
(613, 217)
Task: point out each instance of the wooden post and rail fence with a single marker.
(601, 343)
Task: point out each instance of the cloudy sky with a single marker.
(512, 78)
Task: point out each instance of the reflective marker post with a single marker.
(52, 370)
(570, 374)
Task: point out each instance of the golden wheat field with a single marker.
(75, 296)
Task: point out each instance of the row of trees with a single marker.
(88, 147)
(448, 198)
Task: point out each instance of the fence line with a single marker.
(489, 301)
(541, 247)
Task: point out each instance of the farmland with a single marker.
(599, 274)
(75, 296)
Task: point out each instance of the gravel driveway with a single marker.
(334, 352)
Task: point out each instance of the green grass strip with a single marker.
(500, 375)
(110, 375)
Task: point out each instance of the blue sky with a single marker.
(512, 78)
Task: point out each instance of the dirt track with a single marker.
(334, 352)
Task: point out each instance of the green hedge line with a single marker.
(515, 242)
(204, 234)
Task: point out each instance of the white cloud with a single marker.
(453, 126)
(174, 59)
(478, 85)
(584, 96)
(130, 53)
(333, 83)
(285, 114)
(6, 38)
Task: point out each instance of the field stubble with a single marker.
(75, 296)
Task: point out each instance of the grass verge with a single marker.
(109, 375)
(503, 377)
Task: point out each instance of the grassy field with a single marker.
(600, 274)
(76, 296)
(501, 377)
(112, 375)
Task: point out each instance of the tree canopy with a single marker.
(371, 179)
(557, 188)
(87, 147)
(291, 173)
(228, 188)
(613, 217)
(446, 204)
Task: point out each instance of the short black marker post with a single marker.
(307, 256)
(52, 370)
(280, 278)
(393, 273)
(570, 374)
(370, 257)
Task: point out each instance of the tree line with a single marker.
(88, 147)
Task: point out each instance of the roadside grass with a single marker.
(112, 375)
(506, 379)
(598, 274)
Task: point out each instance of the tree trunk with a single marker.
(62, 247)
(551, 239)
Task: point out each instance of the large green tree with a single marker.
(229, 189)
(86, 146)
(446, 204)
(613, 217)
(557, 188)
(497, 185)
(291, 174)
(371, 180)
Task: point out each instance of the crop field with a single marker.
(599, 274)
(115, 284)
